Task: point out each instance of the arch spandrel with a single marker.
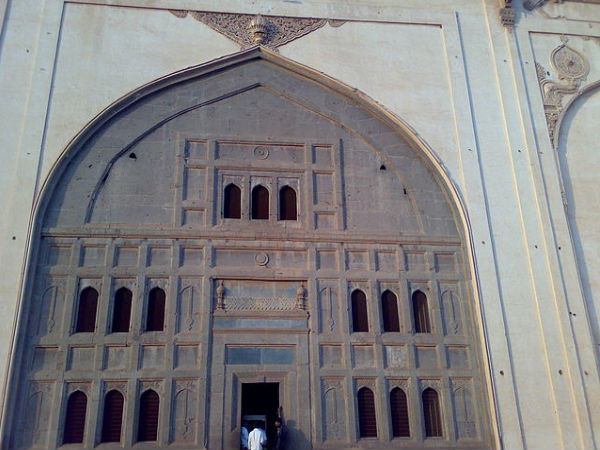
(138, 199)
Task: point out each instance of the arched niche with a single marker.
(579, 160)
(148, 175)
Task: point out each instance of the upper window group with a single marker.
(259, 203)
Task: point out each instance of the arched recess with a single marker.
(84, 194)
(579, 159)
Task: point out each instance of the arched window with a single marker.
(148, 416)
(121, 311)
(288, 209)
(431, 413)
(75, 418)
(86, 311)
(112, 418)
(421, 312)
(260, 202)
(399, 408)
(360, 320)
(232, 206)
(155, 317)
(389, 309)
(367, 420)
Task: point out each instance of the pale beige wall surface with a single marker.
(450, 70)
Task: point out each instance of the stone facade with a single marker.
(444, 150)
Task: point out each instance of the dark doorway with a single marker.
(261, 399)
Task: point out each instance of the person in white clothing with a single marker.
(257, 438)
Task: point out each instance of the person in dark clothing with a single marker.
(280, 433)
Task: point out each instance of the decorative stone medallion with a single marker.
(569, 63)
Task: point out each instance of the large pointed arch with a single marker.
(59, 207)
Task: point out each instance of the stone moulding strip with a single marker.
(248, 30)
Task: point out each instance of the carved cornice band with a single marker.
(248, 30)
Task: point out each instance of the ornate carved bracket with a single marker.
(572, 69)
(249, 30)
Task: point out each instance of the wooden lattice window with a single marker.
(155, 317)
(360, 319)
(232, 206)
(288, 209)
(86, 311)
(421, 312)
(366, 413)
(431, 413)
(121, 311)
(75, 418)
(260, 203)
(148, 416)
(399, 409)
(389, 309)
(112, 418)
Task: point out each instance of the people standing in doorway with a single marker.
(244, 436)
(257, 438)
(280, 434)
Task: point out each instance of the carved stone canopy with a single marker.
(249, 30)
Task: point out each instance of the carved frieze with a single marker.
(248, 30)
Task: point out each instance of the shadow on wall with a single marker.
(578, 156)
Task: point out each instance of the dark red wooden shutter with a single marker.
(421, 312)
(366, 413)
(431, 413)
(287, 204)
(155, 318)
(148, 416)
(75, 418)
(113, 417)
(121, 311)
(86, 311)
(232, 206)
(399, 408)
(260, 203)
(360, 319)
(389, 308)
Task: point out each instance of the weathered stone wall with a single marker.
(495, 126)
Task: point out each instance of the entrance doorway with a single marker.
(260, 402)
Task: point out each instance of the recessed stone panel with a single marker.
(327, 260)
(331, 356)
(192, 256)
(260, 355)
(127, 256)
(194, 183)
(81, 358)
(44, 358)
(92, 255)
(193, 217)
(445, 262)
(386, 261)
(260, 151)
(362, 356)
(322, 156)
(426, 357)
(152, 356)
(415, 261)
(116, 357)
(196, 149)
(159, 256)
(357, 260)
(458, 357)
(58, 255)
(186, 356)
(396, 356)
(323, 189)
